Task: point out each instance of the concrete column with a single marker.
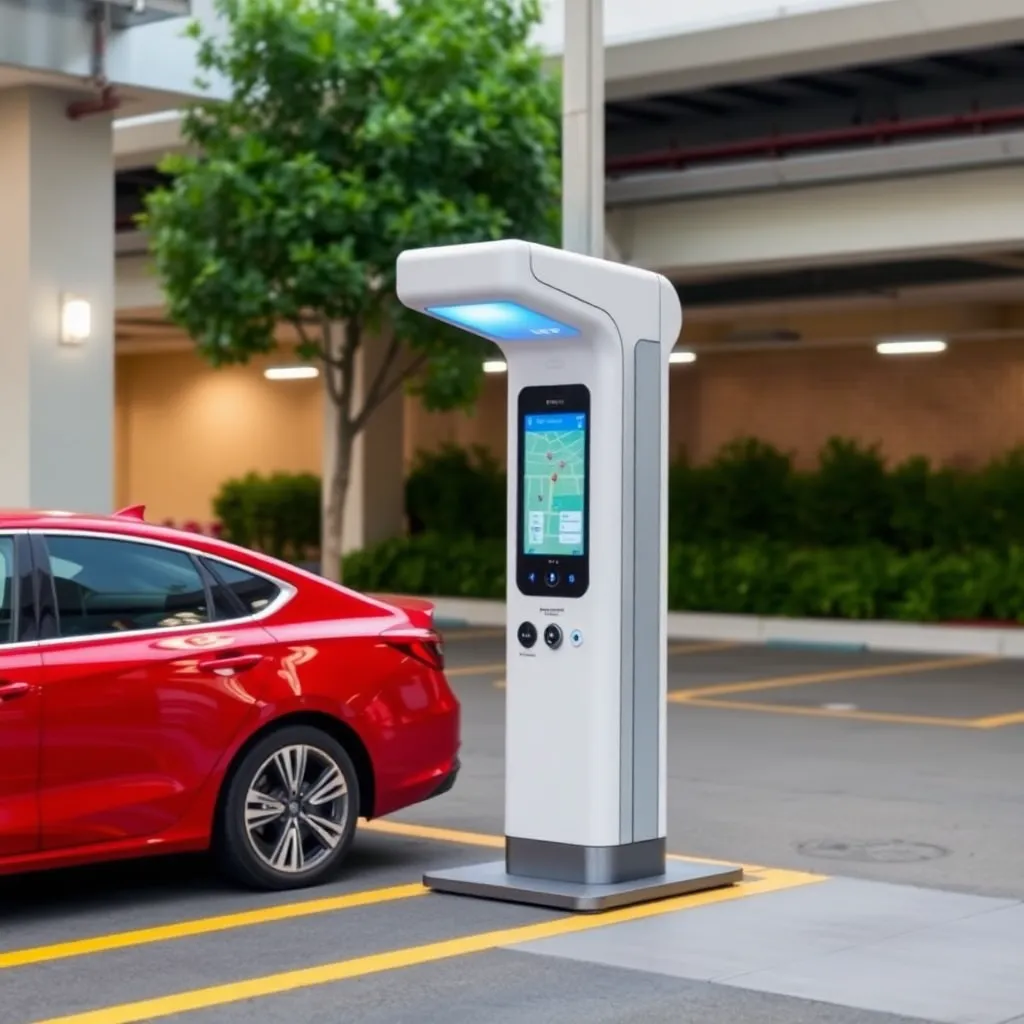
(583, 128)
(375, 505)
(56, 239)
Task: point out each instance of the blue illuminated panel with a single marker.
(503, 321)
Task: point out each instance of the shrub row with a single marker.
(867, 582)
(278, 514)
(751, 491)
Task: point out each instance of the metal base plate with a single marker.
(491, 881)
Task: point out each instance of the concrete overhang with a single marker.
(875, 31)
(909, 217)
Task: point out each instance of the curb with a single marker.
(795, 634)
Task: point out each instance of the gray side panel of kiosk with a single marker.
(647, 571)
(640, 710)
(626, 676)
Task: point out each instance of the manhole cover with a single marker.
(880, 851)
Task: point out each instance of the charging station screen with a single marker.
(553, 528)
(554, 482)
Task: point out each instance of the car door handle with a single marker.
(12, 691)
(230, 663)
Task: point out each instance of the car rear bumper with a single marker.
(448, 782)
(419, 760)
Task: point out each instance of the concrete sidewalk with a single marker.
(889, 949)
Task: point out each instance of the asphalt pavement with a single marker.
(851, 785)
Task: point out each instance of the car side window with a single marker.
(6, 590)
(251, 592)
(105, 585)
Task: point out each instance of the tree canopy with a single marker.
(351, 131)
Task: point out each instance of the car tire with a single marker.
(276, 827)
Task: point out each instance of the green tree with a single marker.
(351, 131)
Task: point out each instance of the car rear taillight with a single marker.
(428, 652)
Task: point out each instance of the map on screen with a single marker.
(554, 483)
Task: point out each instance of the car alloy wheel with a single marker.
(296, 809)
(288, 813)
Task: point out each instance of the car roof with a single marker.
(131, 523)
(34, 519)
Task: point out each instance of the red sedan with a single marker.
(165, 692)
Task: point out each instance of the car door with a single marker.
(20, 668)
(145, 686)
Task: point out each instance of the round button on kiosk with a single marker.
(553, 637)
(527, 634)
(551, 578)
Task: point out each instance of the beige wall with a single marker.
(961, 407)
(182, 428)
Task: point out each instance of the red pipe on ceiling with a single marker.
(778, 145)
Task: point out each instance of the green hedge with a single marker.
(457, 492)
(752, 491)
(868, 582)
(854, 538)
(278, 514)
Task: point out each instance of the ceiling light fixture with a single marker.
(910, 346)
(683, 357)
(291, 373)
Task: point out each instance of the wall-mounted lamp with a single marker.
(683, 357)
(291, 373)
(75, 320)
(495, 366)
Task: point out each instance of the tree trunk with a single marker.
(335, 493)
(339, 437)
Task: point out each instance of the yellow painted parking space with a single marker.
(809, 679)
(701, 647)
(712, 696)
(206, 926)
(280, 912)
(686, 647)
(431, 952)
(436, 835)
(890, 718)
(475, 670)
(459, 837)
(459, 635)
(999, 721)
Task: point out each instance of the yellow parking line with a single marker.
(675, 650)
(470, 634)
(475, 670)
(459, 837)
(999, 721)
(206, 925)
(431, 952)
(891, 718)
(785, 682)
(434, 834)
(690, 647)
(279, 912)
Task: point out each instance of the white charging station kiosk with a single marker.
(587, 345)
